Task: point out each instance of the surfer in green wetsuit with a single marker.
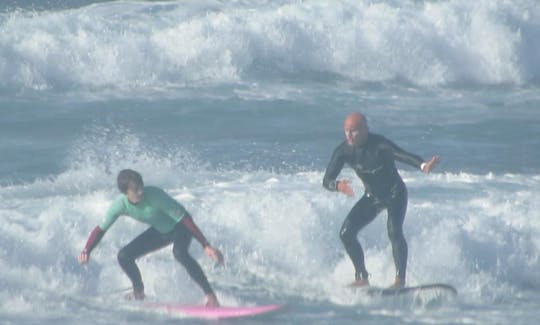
(372, 157)
(169, 223)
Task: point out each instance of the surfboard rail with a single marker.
(411, 289)
(198, 311)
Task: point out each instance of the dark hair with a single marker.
(126, 177)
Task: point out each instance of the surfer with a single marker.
(372, 157)
(169, 223)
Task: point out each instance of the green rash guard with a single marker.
(157, 208)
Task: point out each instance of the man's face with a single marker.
(351, 134)
(135, 193)
(356, 131)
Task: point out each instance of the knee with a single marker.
(124, 256)
(182, 255)
(346, 235)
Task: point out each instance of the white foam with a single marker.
(278, 231)
(144, 45)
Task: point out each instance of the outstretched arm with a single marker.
(115, 210)
(178, 213)
(412, 159)
(91, 243)
(214, 253)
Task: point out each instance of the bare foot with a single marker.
(360, 283)
(398, 283)
(135, 295)
(211, 300)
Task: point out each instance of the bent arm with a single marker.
(404, 156)
(195, 231)
(93, 239)
(95, 236)
(332, 170)
(91, 243)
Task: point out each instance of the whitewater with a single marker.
(234, 108)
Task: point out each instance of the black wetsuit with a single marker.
(374, 163)
(152, 240)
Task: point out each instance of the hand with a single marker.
(429, 165)
(344, 187)
(214, 253)
(84, 257)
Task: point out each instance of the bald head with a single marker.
(356, 129)
(354, 120)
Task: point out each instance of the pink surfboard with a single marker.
(212, 312)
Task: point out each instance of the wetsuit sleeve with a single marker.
(115, 210)
(93, 239)
(112, 214)
(169, 206)
(402, 155)
(195, 231)
(333, 169)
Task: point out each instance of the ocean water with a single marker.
(234, 108)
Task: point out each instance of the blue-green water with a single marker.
(234, 108)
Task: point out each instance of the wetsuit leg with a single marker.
(148, 241)
(363, 212)
(182, 239)
(397, 207)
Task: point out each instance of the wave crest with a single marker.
(133, 45)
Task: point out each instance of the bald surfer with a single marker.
(372, 157)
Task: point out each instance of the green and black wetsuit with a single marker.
(374, 163)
